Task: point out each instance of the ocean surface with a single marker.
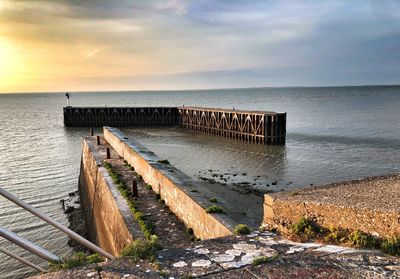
(333, 134)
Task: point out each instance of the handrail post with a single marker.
(59, 226)
(22, 260)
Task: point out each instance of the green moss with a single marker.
(164, 161)
(261, 260)
(215, 209)
(194, 191)
(391, 246)
(214, 200)
(146, 227)
(148, 187)
(141, 249)
(78, 259)
(241, 229)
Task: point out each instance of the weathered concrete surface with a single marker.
(232, 257)
(371, 205)
(109, 220)
(174, 187)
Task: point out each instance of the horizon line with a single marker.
(199, 89)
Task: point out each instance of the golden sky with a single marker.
(75, 45)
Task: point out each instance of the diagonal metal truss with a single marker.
(250, 126)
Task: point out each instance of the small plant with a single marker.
(131, 168)
(164, 161)
(306, 227)
(242, 229)
(139, 177)
(261, 260)
(194, 191)
(148, 187)
(391, 246)
(215, 209)
(336, 235)
(141, 249)
(362, 239)
(213, 200)
(78, 259)
(158, 196)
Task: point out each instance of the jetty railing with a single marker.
(35, 249)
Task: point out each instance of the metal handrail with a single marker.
(11, 254)
(59, 226)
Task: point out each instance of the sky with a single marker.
(93, 45)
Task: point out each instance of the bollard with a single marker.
(91, 131)
(98, 140)
(108, 153)
(134, 190)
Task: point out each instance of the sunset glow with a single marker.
(177, 44)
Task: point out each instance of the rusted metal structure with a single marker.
(251, 126)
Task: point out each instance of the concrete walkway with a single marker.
(232, 257)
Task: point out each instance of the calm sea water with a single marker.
(333, 134)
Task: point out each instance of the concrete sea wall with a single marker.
(108, 218)
(174, 187)
(370, 205)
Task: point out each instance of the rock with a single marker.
(179, 264)
(201, 263)
(223, 258)
(202, 251)
(233, 252)
(244, 247)
(72, 194)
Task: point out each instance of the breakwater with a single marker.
(251, 126)
(180, 192)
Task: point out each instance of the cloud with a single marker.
(206, 42)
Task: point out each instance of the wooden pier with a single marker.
(120, 116)
(250, 126)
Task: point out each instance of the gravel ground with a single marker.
(374, 193)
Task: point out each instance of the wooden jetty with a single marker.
(251, 126)
(120, 116)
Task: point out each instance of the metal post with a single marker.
(12, 255)
(98, 140)
(91, 131)
(108, 153)
(134, 190)
(62, 228)
(27, 245)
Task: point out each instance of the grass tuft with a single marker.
(391, 246)
(306, 227)
(242, 229)
(261, 260)
(78, 259)
(215, 209)
(213, 200)
(141, 249)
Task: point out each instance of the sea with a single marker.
(333, 134)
